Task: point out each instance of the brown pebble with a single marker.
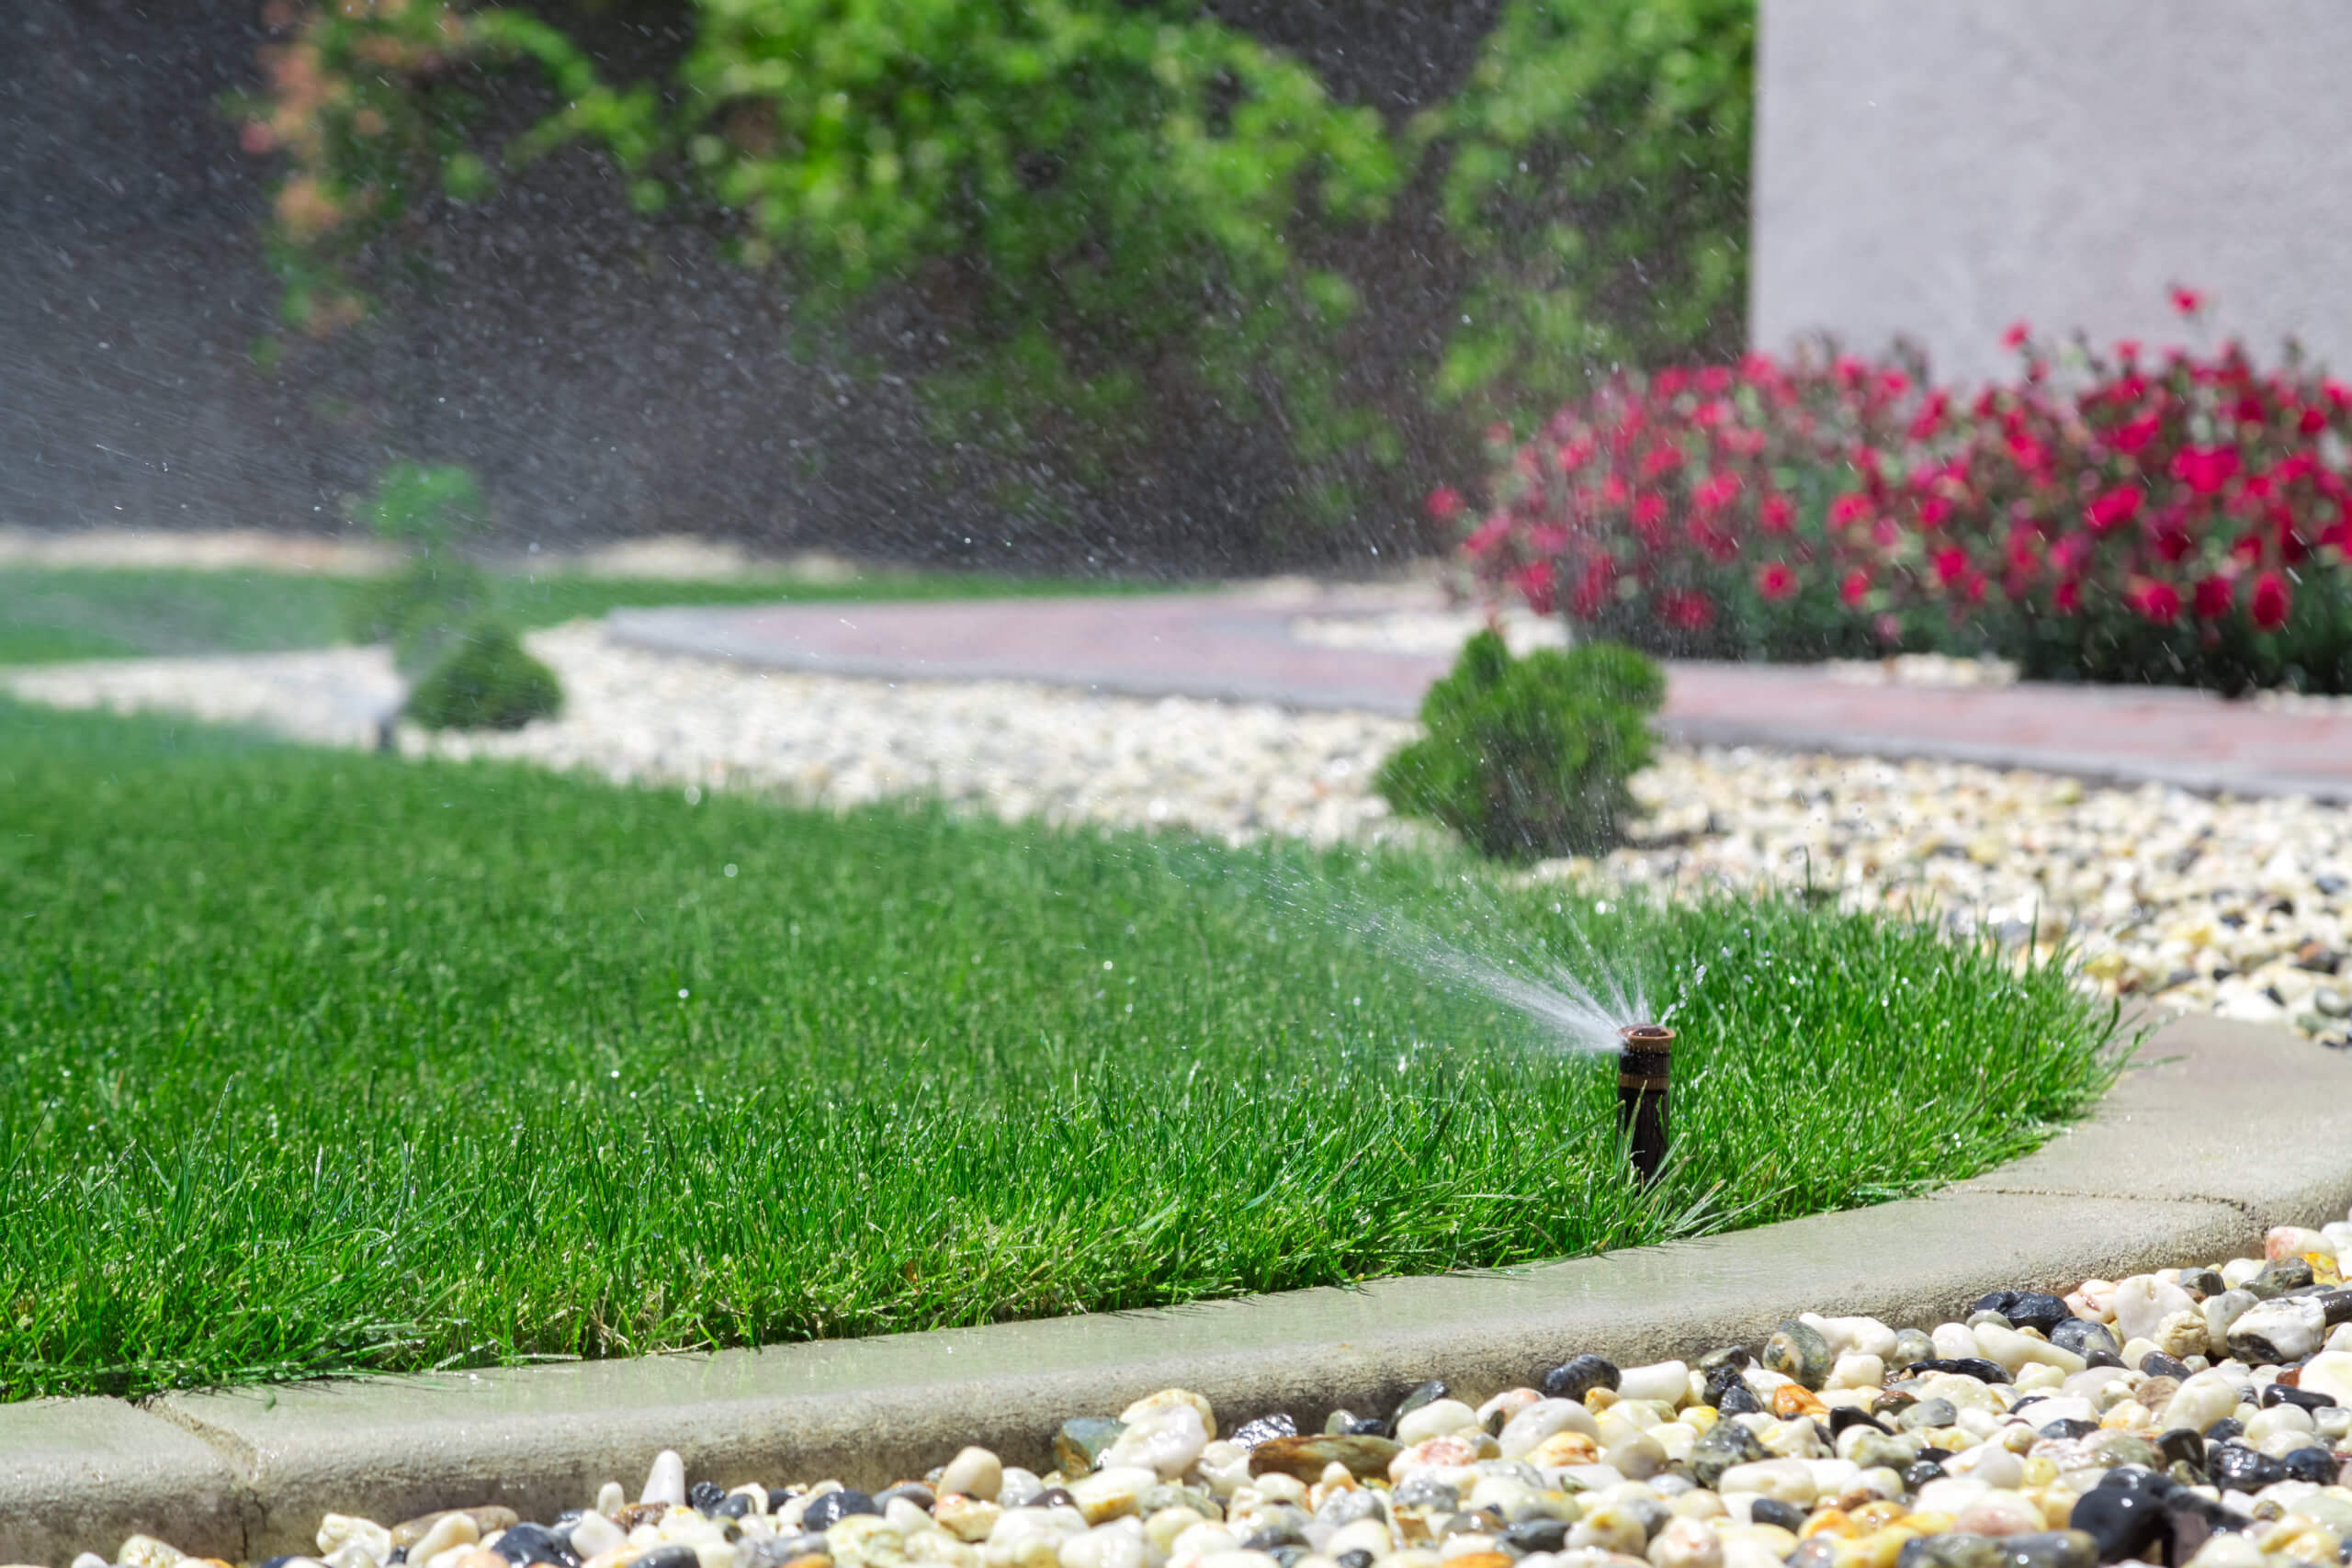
(1482, 1560)
(487, 1517)
(1793, 1400)
(636, 1514)
(1306, 1457)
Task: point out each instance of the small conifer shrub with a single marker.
(486, 681)
(1530, 758)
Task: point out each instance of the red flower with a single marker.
(1594, 588)
(2270, 602)
(1849, 509)
(2131, 437)
(2114, 508)
(2016, 334)
(2210, 598)
(2127, 349)
(1855, 588)
(2311, 422)
(2187, 302)
(2069, 597)
(1950, 564)
(2160, 601)
(1775, 581)
(1573, 455)
(1777, 516)
(1718, 492)
(1687, 609)
(2205, 469)
(1537, 582)
(1444, 503)
(1660, 460)
(1488, 535)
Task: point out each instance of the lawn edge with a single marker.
(2180, 1162)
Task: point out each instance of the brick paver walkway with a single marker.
(1240, 647)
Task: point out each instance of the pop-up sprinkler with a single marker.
(1644, 1066)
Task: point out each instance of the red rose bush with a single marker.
(2111, 516)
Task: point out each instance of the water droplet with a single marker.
(681, 993)
(730, 868)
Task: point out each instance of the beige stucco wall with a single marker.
(1937, 169)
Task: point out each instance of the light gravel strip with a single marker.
(2237, 905)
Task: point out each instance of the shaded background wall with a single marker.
(607, 375)
(1938, 171)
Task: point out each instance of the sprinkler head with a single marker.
(1645, 1067)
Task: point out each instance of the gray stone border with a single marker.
(2221, 1130)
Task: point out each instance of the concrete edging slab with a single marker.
(2173, 1166)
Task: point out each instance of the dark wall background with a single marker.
(606, 375)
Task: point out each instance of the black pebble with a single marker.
(734, 1505)
(533, 1543)
(1579, 1375)
(2125, 1520)
(1739, 1400)
(1921, 1471)
(2234, 1465)
(1053, 1497)
(2308, 1399)
(778, 1497)
(2182, 1446)
(1536, 1535)
(672, 1556)
(1265, 1430)
(1846, 1416)
(704, 1495)
(2069, 1428)
(2227, 1427)
(1356, 1559)
(2203, 1283)
(1272, 1537)
(1367, 1427)
(833, 1509)
(1428, 1393)
(1975, 1366)
(1286, 1556)
(2081, 1335)
(2157, 1364)
(1772, 1511)
(2024, 1309)
(2315, 1465)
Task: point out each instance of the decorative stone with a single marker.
(1305, 1457)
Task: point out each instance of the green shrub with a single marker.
(485, 681)
(1138, 218)
(1528, 757)
(422, 608)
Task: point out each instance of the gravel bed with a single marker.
(2236, 906)
(2194, 1416)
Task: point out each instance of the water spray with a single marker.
(1645, 1067)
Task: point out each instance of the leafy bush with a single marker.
(437, 592)
(485, 681)
(1139, 219)
(1527, 758)
(2185, 519)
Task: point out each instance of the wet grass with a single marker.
(324, 1063)
(63, 612)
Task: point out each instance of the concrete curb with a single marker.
(2178, 1164)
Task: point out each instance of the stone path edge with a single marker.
(2174, 1165)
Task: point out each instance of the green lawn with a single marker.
(320, 1062)
(56, 612)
